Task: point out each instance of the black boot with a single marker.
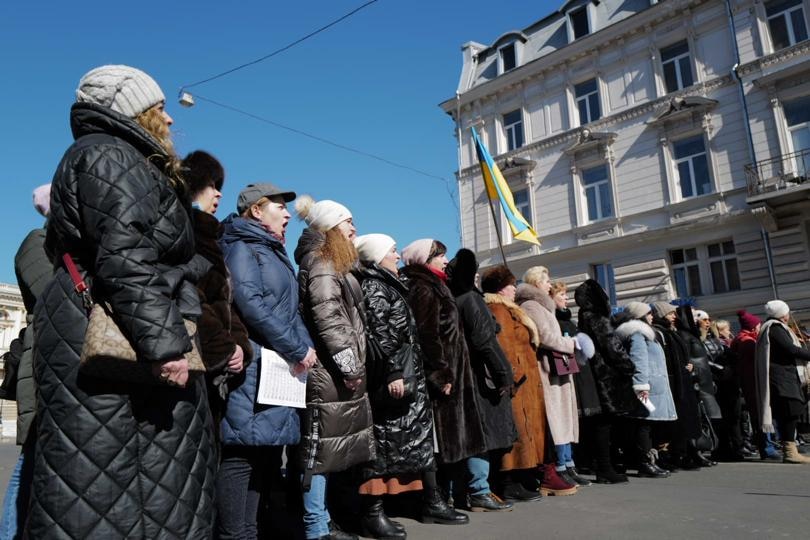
(335, 533)
(609, 476)
(489, 502)
(375, 524)
(574, 474)
(515, 492)
(436, 510)
(648, 470)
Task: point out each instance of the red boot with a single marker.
(553, 485)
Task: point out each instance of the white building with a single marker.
(12, 319)
(659, 147)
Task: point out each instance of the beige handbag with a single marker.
(107, 353)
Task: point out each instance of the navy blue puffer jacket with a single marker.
(265, 293)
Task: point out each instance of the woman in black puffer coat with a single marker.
(116, 459)
(403, 424)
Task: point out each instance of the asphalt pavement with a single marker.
(733, 500)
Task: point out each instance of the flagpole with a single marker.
(495, 221)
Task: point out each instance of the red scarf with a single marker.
(438, 273)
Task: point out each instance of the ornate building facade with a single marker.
(659, 147)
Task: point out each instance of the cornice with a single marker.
(572, 134)
(778, 57)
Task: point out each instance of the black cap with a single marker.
(254, 192)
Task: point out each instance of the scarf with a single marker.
(762, 372)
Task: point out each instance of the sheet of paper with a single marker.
(277, 384)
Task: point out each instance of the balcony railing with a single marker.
(779, 173)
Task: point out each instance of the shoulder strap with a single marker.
(79, 285)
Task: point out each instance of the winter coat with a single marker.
(676, 353)
(491, 370)
(114, 459)
(265, 293)
(457, 420)
(519, 340)
(34, 271)
(584, 383)
(785, 355)
(336, 427)
(701, 372)
(611, 366)
(651, 370)
(558, 392)
(403, 432)
(744, 347)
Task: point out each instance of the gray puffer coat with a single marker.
(115, 459)
(336, 426)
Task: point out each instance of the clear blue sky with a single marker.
(373, 82)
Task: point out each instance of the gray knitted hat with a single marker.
(661, 309)
(637, 309)
(123, 89)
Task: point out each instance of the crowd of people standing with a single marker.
(473, 390)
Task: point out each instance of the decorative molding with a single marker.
(780, 56)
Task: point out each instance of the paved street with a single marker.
(745, 500)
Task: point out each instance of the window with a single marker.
(523, 205)
(723, 267)
(797, 115)
(508, 57)
(597, 193)
(686, 272)
(587, 98)
(786, 22)
(692, 167)
(513, 128)
(677, 66)
(578, 19)
(709, 269)
(603, 273)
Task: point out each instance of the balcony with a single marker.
(779, 177)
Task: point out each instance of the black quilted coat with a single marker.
(113, 459)
(702, 371)
(403, 432)
(336, 425)
(456, 417)
(612, 368)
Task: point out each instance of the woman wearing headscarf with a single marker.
(519, 340)
(126, 459)
(558, 390)
(701, 374)
(265, 293)
(456, 418)
(650, 382)
(679, 373)
(403, 425)
(337, 423)
(493, 380)
(612, 372)
(781, 378)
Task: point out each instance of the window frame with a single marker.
(506, 232)
(569, 21)
(676, 174)
(586, 98)
(584, 188)
(703, 263)
(510, 131)
(501, 66)
(788, 24)
(676, 61)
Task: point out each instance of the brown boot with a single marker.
(792, 454)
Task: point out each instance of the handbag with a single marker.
(107, 353)
(381, 395)
(562, 364)
(707, 440)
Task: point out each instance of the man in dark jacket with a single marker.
(493, 379)
(33, 270)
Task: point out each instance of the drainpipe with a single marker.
(766, 238)
(458, 175)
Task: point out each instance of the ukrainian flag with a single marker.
(498, 189)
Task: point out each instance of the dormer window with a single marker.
(578, 23)
(507, 57)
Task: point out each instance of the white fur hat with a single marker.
(123, 89)
(372, 248)
(321, 215)
(418, 251)
(700, 315)
(776, 309)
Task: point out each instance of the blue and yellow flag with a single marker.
(498, 190)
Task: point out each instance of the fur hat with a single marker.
(322, 215)
(200, 170)
(461, 271)
(372, 248)
(496, 278)
(748, 321)
(42, 199)
(637, 310)
(418, 251)
(776, 309)
(124, 89)
(661, 309)
(700, 315)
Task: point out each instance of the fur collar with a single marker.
(627, 329)
(517, 313)
(526, 292)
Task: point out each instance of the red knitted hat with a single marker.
(748, 321)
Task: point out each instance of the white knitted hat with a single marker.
(321, 215)
(418, 251)
(123, 89)
(373, 248)
(776, 309)
(637, 310)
